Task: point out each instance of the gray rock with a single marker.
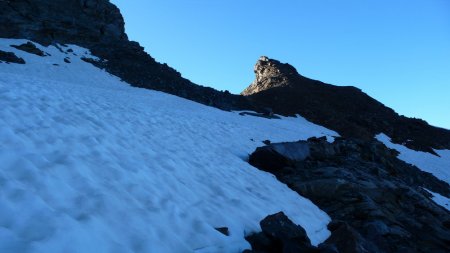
(270, 74)
(292, 151)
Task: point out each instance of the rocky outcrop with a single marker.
(270, 74)
(347, 110)
(279, 235)
(99, 26)
(30, 48)
(81, 22)
(377, 202)
(9, 57)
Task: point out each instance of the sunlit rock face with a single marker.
(270, 73)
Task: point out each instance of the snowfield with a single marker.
(90, 164)
(439, 166)
(440, 200)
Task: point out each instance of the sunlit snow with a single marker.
(90, 164)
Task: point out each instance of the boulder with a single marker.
(277, 156)
(280, 235)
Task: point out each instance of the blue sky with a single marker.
(396, 51)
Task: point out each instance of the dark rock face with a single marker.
(377, 202)
(279, 234)
(81, 22)
(347, 110)
(224, 230)
(10, 57)
(99, 26)
(30, 48)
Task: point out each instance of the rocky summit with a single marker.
(270, 74)
(347, 110)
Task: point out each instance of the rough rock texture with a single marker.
(270, 74)
(81, 22)
(30, 48)
(377, 202)
(9, 57)
(99, 26)
(279, 234)
(346, 110)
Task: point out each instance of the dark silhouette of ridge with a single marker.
(347, 110)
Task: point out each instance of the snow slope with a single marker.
(89, 164)
(439, 166)
(440, 200)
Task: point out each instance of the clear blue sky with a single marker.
(396, 51)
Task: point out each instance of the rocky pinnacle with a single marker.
(269, 74)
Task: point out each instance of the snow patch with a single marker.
(440, 200)
(439, 166)
(90, 164)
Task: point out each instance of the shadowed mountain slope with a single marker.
(99, 26)
(346, 110)
(377, 203)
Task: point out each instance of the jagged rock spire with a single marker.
(270, 73)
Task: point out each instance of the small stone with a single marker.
(223, 230)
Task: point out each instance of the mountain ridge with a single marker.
(91, 164)
(345, 109)
(99, 26)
